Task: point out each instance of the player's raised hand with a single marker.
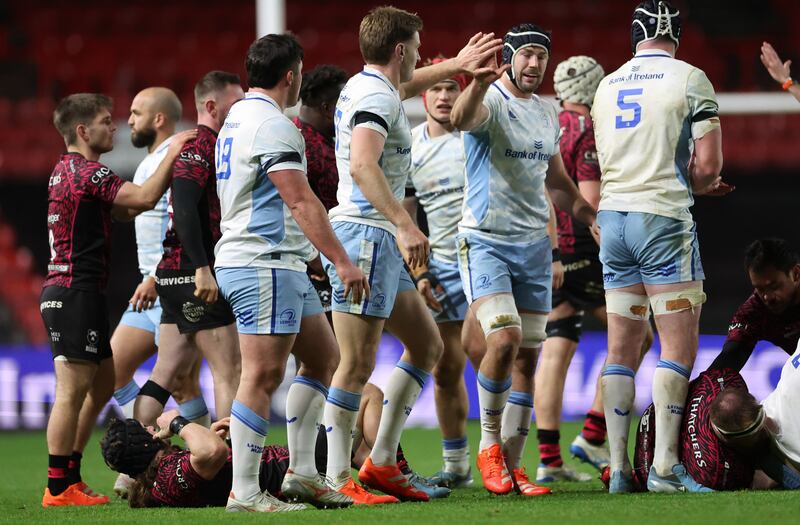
(425, 287)
(779, 71)
(413, 245)
(489, 71)
(145, 295)
(354, 280)
(480, 47)
(205, 285)
(179, 139)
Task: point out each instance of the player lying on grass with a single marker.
(200, 475)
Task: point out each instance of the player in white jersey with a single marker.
(658, 142)
(436, 182)
(373, 156)
(511, 142)
(269, 220)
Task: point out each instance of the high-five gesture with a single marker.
(480, 48)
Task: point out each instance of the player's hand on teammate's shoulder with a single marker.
(205, 285)
(355, 282)
(479, 48)
(145, 295)
(179, 140)
(779, 71)
(413, 244)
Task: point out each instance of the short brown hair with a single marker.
(213, 82)
(382, 29)
(80, 108)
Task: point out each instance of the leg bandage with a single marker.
(678, 301)
(498, 312)
(533, 330)
(631, 305)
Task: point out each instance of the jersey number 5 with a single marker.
(621, 122)
(223, 158)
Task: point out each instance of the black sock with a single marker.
(57, 480)
(549, 449)
(402, 464)
(74, 468)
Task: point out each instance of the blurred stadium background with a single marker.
(49, 49)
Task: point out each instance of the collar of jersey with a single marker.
(368, 71)
(426, 137)
(250, 95)
(164, 145)
(645, 53)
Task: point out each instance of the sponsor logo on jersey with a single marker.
(97, 176)
(194, 157)
(667, 270)
(193, 312)
(737, 326)
(55, 336)
(92, 337)
(403, 151)
(50, 304)
(53, 218)
(173, 281)
(55, 179)
(181, 479)
(691, 427)
(57, 267)
(529, 155)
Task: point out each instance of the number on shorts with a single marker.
(622, 123)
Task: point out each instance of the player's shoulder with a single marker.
(418, 133)
(753, 309)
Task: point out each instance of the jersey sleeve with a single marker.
(192, 165)
(493, 101)
(586, 163)
(703, 106)
(377, 112)
(176, 483)
(279, 145)
(99, 182)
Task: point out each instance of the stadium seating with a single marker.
(20, 286)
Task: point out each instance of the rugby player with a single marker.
(778, 70)
(201, 474)
(659, 142)
(195, 322)
(436, 182)
(82, 196)
(772, 312)
(373, 156)
(154, 113)
(318, 94)
(505, 254)
(575, 80)
(270, 222)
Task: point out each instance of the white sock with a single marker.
(196, 411)
(492, 396)
(126, 398)
(401, 394)
(304, 404)
(248, 431)
(670, 387)
(515, 426)
(341, 413)
(455, 453)
(619, 393)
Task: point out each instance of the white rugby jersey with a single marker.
(782, 407)
(257, 227)
(151, 225)
(437, 176)
(645, 116)
(370, 92)
(507, 159)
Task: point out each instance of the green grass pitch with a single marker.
(23, 463)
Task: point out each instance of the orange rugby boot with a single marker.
(524, 486)
(390, 480)
(362, 496)
(73, 496)
(493, 470)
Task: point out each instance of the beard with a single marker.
(144, 138)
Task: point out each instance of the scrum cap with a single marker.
(652, 19)
(576, 79)
(518, 38)
(128, 447)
